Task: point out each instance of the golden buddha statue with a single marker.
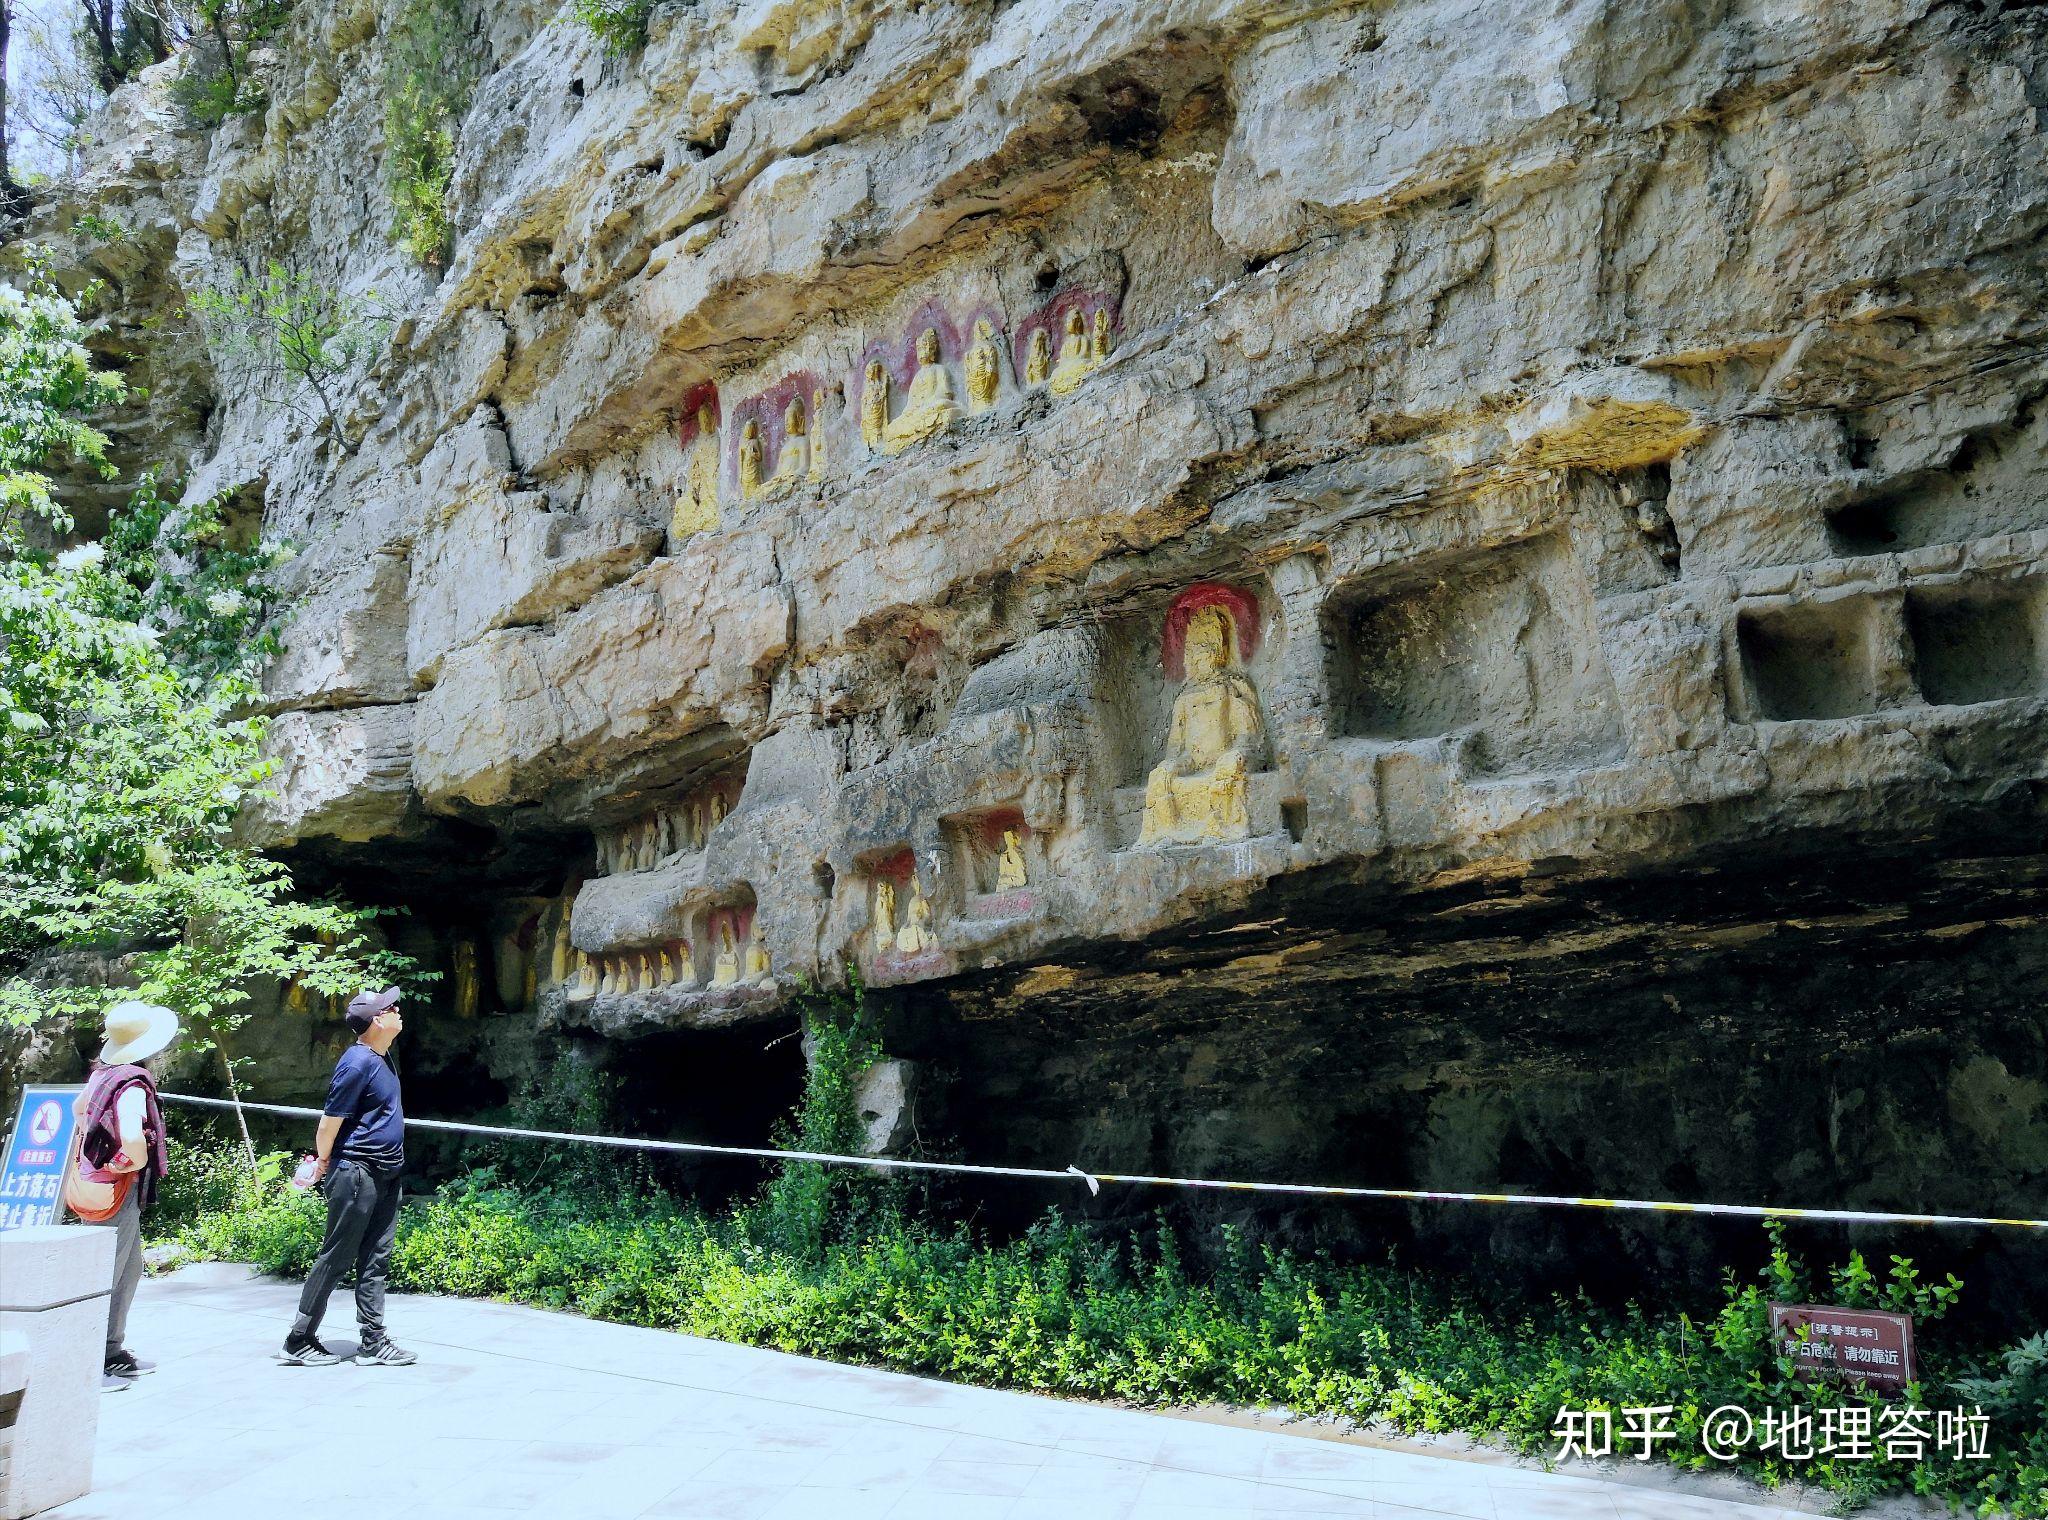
(1197, 794)
(750, 460)
(1010, 863)
(608, 982)
(725, 969)
(756, 969)
(984, 368)
(586, 979)
(714, 814)
(916, 933)
(1074, 360)
(468, 990)
(1038, 358)
(794, 462)
(696, 509)
(686, 964)
(928, 409)
(1099, 337)
(883, 926)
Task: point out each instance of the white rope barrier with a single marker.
(1095, 1180)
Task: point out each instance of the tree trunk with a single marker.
(13, 199)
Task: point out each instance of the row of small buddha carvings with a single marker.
(930, 404)
(735, 963)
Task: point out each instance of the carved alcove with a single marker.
(1183, 712)
(682, 824)
(1814, 659)
(999, 859)
(1496, 649)
(1977, 643)
(900, 939)
(730, 955)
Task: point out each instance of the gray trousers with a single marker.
(127, 1227)
(362, 1221)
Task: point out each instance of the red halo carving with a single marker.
(1242, 606)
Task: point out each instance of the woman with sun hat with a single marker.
(120, 1160)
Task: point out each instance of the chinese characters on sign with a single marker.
(1850, 1433)
(1858, 1346)
(32, 1170)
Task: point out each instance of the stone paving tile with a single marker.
(518, 1412)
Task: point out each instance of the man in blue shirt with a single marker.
(360, 1151)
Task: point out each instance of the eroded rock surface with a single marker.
(1613, 435)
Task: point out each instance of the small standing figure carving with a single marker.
(984, 368)
(696, 509)
(1038, 359)
(750, 460)
(883, 929)
(817, 435)
(1010, 873)
(1099, 337)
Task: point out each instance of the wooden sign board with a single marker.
(1861, 1346)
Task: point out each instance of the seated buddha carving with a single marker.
(725, 968)
(794, 462)
(916, 934)
(928, 409)
(1198, 793)
(1075, 358)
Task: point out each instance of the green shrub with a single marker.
(621, 25)
(430, 73)
(217, 81)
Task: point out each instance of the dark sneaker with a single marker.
(384, 1353)
(306, 1351)
(125, 1363)
(110, 1383)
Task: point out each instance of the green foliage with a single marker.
(294, 328)
(220, 36)
(48, 386)
(1064, 1311)
(102, 229)
(797, 1212)
(429, 76)
(126, 741)
(620, 25)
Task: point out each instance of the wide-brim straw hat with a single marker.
(136, 1031)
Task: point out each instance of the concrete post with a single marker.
(54, 1283)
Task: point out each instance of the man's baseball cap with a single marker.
(365, 1006)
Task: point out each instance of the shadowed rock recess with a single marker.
(1427, 592)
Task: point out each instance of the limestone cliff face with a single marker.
(1610, 433)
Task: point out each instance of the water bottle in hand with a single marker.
(307, 1174)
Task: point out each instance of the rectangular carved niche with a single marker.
(997, 856)
(1811, 659)
(1976, 643)
(1498, 646)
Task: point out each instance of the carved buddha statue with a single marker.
(883, 927)
(725, 969)
(468, 990)
(586, 979)
(696, 509)
(794, 463)
(1074, 359)
(1038, 359)
(1198, 792)
(984, 368)
(1099, 337)
(756, 968)
(916, 933)
(874, 404)
(750, 460)
(686, 964)
(929, 408)
(817, 435)
(1010, 863)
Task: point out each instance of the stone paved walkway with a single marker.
(515, 1411)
